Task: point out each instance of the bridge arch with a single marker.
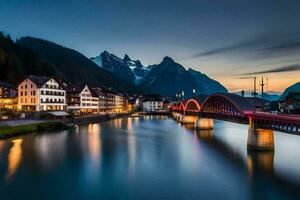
(181, 106)
(195, 104)
(231, 107)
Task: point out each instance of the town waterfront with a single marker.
(149, 157)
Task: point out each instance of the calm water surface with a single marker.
(148, 158)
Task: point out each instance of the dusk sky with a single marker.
(229, 40)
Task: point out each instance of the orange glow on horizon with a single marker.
(275, 83)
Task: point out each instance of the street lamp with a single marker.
(194, 92)
(182, 94)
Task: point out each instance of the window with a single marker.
(25, 93)
(21, 93)
(25, 86)
(31, 86)
(42, 92)
(21, 86)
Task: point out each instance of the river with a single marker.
(149, 157)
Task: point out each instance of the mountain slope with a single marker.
(17, 61)
(205, 84)
(115, 65)
(293, 88)
(73, 66)
(170, 78)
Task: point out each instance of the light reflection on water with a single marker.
(14, 158)
(149, 157)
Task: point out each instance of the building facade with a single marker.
(291, 103)
(37, 93)
(152, 104)
(110, 103)
(102, 97)
(82, 98)
(120, 103)
(7, 90)
(8, 96)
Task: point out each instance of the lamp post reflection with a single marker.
(94, 144)
(131, 146)
(14, 158)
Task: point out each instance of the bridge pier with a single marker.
(259, 139)
(179, 117)
(174, 115)
(188, 119)
(204, 124)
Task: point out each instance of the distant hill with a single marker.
(73, 66)
(269, 96)
(293, 88)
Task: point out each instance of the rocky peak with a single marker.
(126, 58)
(168, 59)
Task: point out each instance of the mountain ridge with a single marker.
(166, 78)
(73, 66)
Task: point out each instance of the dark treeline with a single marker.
(16, 62)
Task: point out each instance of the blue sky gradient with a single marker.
(229, 40)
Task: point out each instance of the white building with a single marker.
(81, 98)
(36, 93)
(152, 104)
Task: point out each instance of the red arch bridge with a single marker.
(202, 110)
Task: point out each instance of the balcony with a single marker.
(54, 102)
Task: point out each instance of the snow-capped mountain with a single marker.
(166, 78)
(137, 68)
(126, 68)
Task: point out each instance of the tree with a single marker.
(242, 93)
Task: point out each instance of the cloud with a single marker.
(223, 50)
(245, 77)
(288, 68)
(262, 46)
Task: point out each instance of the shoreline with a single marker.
(7, 132)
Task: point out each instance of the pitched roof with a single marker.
(152, 98)
(40, 80)
(77, 88)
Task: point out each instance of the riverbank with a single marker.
(15, 128)
(88, 119)
(13, 131)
